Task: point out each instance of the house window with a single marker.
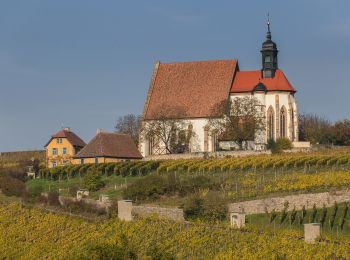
(81, 161)
(96, 160)
(59, 140)
(54, 151)
(270, 123)
(64, 150)
(283, 122)
(53, 164)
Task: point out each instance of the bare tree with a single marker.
(315, 129)
(168, 127)
(129, 124)
(238, 120)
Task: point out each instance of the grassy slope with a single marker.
(113, 187)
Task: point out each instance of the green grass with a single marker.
(259, 220)
(113, 187)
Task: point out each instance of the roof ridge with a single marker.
(196, 61)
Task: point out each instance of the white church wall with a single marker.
(197, 140)
(269, 99)
(266, 99)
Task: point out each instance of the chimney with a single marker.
(66, 129)
(98, 131)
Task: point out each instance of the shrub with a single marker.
(12, 187)
(52, 198)
(83, 207)
(283, 144)
(193, 207)
(93, 181)
(147, 188)
(210, 207)
(279, 145)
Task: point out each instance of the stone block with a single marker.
(237, 220)
(311, 232)
(125, 210)
(82, 193)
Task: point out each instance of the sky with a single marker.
(83, 63)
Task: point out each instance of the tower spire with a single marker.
(269, 54)
(268, 34)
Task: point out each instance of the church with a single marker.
(197, 86)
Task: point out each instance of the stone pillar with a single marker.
(296, 123)
(206, 138)
(237, 220)
(125, 210)
(311, 232)
(290, 119)
(277, 106)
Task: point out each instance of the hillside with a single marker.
(46, 235)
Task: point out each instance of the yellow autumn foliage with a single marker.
(35, 234)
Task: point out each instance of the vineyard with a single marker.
(307, 163)
(33, 234)
(234, 179)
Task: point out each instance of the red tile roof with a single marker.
(71, 137)
(193, 86)
(245, 81)
(110, 145)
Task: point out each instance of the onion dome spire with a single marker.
(269, 54)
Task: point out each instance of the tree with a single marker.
(168, 127)
(93, 180)
(129, 124)
(341, 132)
(238, 120)
(315, 129)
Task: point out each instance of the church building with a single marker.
(198, 86)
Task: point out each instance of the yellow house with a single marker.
(61, 148)
(108, 147)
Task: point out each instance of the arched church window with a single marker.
(270, 123)
(283, 122)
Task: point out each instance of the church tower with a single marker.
(269, 55)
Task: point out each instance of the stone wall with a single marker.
(201, 155)
(167, 213)
(127, 211)
(308, 200)
(100, 204)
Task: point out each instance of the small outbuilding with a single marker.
(108, 147)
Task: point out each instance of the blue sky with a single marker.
(83, 63)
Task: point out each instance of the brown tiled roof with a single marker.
(110, 145)
(195, 87)
(246, 81)
(71, 137)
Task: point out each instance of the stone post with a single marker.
(125, 210)
(311, 232)
(237, 220)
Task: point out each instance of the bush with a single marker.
(210, 208)
(279, 145)
(12, 187)
(93, 181)
(53, 198)
(83, 207)
(284, 144)
(147, 188)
